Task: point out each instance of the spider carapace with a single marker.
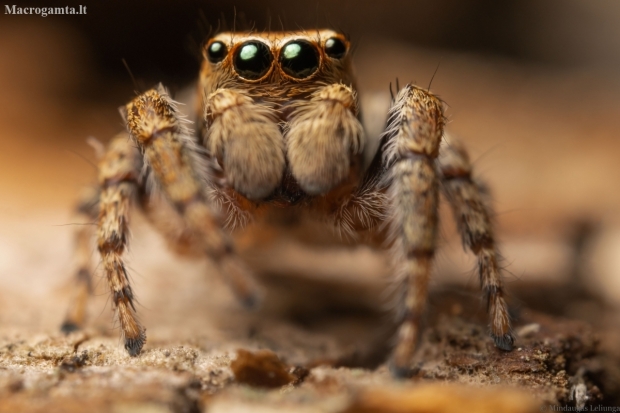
(278, 128)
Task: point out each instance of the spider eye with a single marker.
(252, 60)
(299, 59)
(216, 52)
(335, 47)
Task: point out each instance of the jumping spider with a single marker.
(278, 133)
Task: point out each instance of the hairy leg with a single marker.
(410, 147)
(474, 222)
(119, 177)
(184, 241)
(175, 162)
(86, 216)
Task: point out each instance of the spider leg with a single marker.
(170, 152)
(183, 240)
(472, 215)
(109, 205)
(119, 177)
(86, 213)
(168, 223)
(410, 146)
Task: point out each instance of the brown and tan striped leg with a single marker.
(410, 147)
(183, 240)
(119, 177)
(86, 217)
(473, 219)
(158, 130)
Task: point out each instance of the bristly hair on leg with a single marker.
(473, 217)
(428, 89)
(410, 145)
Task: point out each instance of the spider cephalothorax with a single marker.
(279, 132)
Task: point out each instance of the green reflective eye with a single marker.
(248, 52)
(299, 59)
(216, 52)
(253, 59)
(336, 48)
(292, 50)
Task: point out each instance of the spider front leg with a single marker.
(410, 146)
(173, 159)
(474, 223)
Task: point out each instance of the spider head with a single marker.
(279, 112)
(276, 66)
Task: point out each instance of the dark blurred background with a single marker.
(160, 40)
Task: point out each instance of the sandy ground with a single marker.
(546, 142)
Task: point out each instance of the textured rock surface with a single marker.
(50, 372)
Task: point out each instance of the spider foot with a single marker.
(252, 301)
(402, 372)
(134, 345)
(242, 282)
(504, 342)
(69, 326)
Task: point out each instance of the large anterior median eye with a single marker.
(299, 59)
(252, 60)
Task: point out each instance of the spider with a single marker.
(278, 134)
